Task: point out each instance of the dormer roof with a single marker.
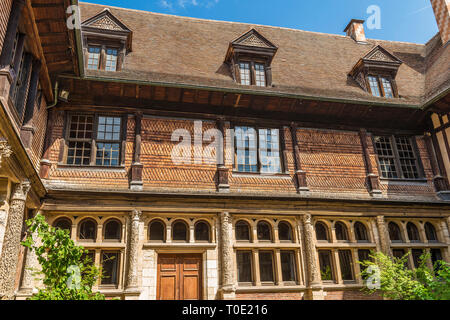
(252, 42)
(107, 24)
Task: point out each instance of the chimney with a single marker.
(355, 30)
(442, 12)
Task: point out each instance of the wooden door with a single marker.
(179, 277)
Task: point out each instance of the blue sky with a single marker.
(401, 20)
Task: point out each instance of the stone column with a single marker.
(313, 281)
(226, 245)
(383, 234)
(31, 267)
(5, 150)
(448, 225)
(11, 243)
(132, 287)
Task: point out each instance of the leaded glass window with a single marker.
(94, 58)
(260, 75)
(246, 149)
(111, 59)
(267, 159)
(107, 149)
(373, 82)
(244, 68)
(266, 266)
(397, 157)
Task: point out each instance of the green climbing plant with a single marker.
(65, 268)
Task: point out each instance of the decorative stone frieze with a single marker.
(11, 243)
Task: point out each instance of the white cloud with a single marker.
(171, 4)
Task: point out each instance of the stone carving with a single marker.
(11, 243)
(313, 270)
(132, 279)
(384, 240)
(379, 56)
(5, 150)
(254, 41)
(105, 22)
(226, 231)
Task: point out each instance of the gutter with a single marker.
(55, 102)
(239, 91)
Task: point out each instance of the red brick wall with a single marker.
(40, 125)
(270, 296)
(351, 295)
(5, 9)
(159, 169)
(333, 161)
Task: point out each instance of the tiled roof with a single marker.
(188, 51)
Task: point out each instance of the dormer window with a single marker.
(94, 58)
(249, 58)
(260, 75)
(376, 72)
(106, 41)
(111, 59)
(380, 86)
(245, 73)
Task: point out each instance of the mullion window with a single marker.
(407, 158)
(94, 140)
(108, 141)
(258, 150)
(94, 54)
(111, 59)
(386, 157)
(397, 158)
(380, 86)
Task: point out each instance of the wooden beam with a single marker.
(44, 74)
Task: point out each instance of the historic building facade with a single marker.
(199, 159)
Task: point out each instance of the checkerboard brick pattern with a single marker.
(442, 12)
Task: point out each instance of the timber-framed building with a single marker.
(326, 147)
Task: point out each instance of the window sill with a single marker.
(284, 175)
(89, 167)
(249, 287)
(387, 180)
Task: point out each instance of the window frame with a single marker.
(252, 271)
(258, 156)
(378, 77)
(93, 140)
(102, 60)
(120, 226)
(79, 225)
(149, 233)
(396, 158)
(252, 61)
(118, 268)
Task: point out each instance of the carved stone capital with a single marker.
(21, 191)
(136, 215)
(5, 150)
